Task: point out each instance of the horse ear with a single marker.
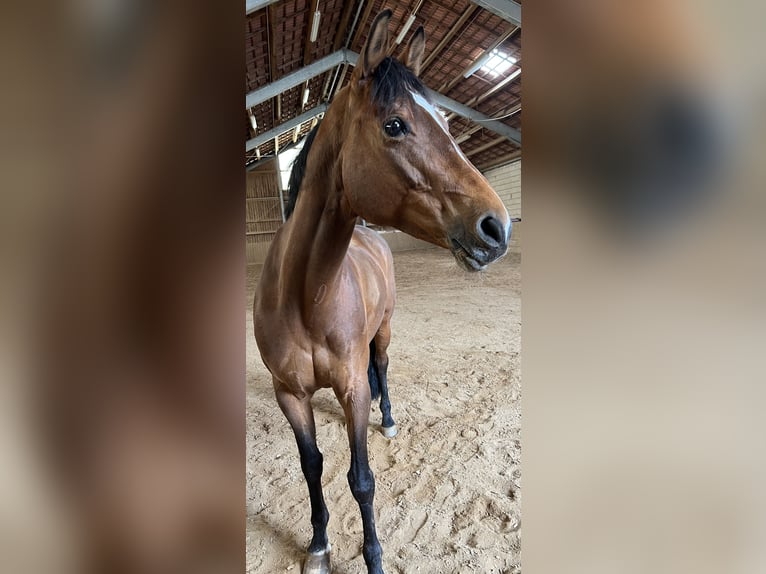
(377, 45)
(415, 50)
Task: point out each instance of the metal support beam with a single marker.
(267, 158)
(469, 113)
(255, 5)
(251, 144)
(480, 98)
(344, 56)
(283, 84)
(507, 9)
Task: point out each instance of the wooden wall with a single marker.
(264, 214)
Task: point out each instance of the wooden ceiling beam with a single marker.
(341, 33)
(350, 44)
(467, 13)
(467, 133)
(365, 17)
(499, 160)
(273, 60)
(447, 86)
(486, 146)
(307, 46)
(307, 43)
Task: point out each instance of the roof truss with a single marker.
(344, 56)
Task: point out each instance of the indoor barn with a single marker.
(447, 485)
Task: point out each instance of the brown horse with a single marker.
(326, 293)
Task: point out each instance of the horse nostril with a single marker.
(491, 231)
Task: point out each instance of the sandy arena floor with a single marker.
(447, 494)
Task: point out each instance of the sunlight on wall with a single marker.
(286, 159)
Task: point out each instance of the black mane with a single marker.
(391, 81)
(297, 172)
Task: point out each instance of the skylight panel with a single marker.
(497, 63)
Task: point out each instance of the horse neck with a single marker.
(322, 224)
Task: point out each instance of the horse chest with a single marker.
(305, 358)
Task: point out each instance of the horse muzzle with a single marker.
(487, 243)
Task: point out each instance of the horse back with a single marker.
(372, 256)
(373, 243)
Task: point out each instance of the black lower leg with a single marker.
(311, 464)
(385, 403)
(362, 483)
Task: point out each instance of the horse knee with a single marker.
(362, 483)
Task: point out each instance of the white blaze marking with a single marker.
(423, 103)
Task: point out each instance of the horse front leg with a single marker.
(382, 340)
(301, 417)
(356, 404)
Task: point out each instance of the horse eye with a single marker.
(395, 128)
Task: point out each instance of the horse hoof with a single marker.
(318, 562)
(389, 432)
